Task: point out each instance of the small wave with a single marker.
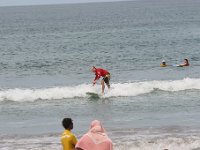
(118, 89)
(160, 143)
(138, 88)
(46, 142)
(21, 95)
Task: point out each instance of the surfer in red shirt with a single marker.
(99, 72)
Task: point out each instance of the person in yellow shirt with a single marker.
(163, 64)
(68, 139)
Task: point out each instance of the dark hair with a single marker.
(67, 122)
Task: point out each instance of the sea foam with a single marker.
(117, 90)
(47, 142)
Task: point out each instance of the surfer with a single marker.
(186, 63)
(163, 64)
(99, 72)
(68, 139)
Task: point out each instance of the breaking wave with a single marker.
(117, 89)
(47, 142)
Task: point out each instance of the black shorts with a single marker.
(106, 79)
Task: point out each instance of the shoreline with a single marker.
(148, 140)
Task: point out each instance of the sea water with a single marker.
(46, 55)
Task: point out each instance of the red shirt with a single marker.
(99, 72)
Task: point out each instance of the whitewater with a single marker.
(117, 90)
(144, 141)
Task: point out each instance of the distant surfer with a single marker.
(163, 64)
(99, 72)
(186, 63)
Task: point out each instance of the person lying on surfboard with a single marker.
(99, 72)
(186, 63)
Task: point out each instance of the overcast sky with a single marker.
(39, 2)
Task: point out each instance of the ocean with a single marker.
(46, 55)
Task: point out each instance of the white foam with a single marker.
(45, 93)
(160, 143)
(118, 89)
(47, 142)
(137, 88)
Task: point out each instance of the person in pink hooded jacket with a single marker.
(95, 139)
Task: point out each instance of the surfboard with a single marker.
(177, 66)
(93, 95)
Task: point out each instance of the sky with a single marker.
(40, 2)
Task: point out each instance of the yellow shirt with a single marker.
(162, 65)
(68, 140)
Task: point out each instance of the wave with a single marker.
(159, 138)
(117, 90)
(46, 142)
(161, 143)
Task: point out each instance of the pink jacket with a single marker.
(95, 139)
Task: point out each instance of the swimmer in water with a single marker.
(186, 63)
(163, 64)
